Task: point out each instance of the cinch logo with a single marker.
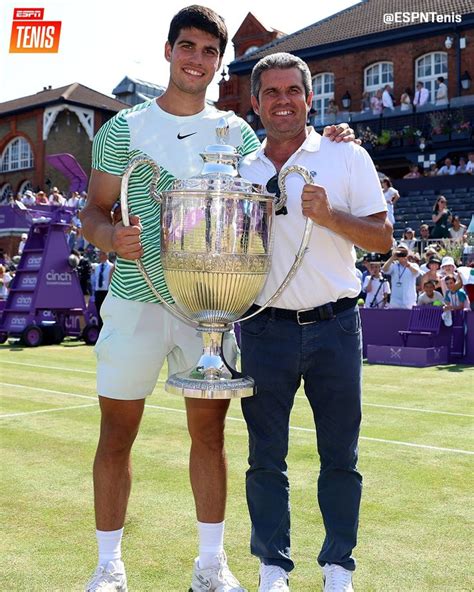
(28, 281)
(23, 301)
(72, 322)
(17, 322)
(31, 34)
(54, 277)
(33, 261)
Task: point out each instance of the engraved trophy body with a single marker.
(216, 244)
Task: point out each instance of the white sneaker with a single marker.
(215, 579)
(337, 578)
(108, 578)
(273, 578)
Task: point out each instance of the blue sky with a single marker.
(103, 40)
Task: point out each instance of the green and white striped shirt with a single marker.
(174, 143)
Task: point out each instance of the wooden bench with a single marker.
(424, 320)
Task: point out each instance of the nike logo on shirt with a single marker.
(180, 137)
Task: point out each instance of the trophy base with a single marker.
(197, 388)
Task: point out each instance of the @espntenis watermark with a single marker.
(415, 18)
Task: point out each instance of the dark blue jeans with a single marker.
(328, 356)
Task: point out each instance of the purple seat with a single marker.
(424, 320)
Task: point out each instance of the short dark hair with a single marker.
(280, 61)
(202, 18)
(430, 282)
(440, 79)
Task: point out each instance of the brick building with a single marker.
(52, 121)
(354, 51)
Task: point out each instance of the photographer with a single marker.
(376, 287)
(403, 274)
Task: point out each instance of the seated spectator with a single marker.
(376, 286)
(409, 239)
(458, 231)
(441, 217)
(376, 103)
(470, 163)
(41, 199)
(428, 253)
(433, 170)
(56, 198)
(423, 242)
(448, 168)
(461, 169)
(28, 199)
(73, 201)
(414, 173)
(403, 274)
(430, 296)
(433, 273)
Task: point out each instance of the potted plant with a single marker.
(440, 126)
(461, 130)
(368, 138)
(385, 138)
(410, 135)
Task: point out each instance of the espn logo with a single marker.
(32, 34)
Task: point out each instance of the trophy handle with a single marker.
(279, 203)
(154, 194)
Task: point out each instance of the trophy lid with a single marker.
(219, 171)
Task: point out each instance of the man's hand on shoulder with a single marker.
(126, 239)
(340, 133)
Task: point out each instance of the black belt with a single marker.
(306, 316)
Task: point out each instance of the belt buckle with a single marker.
(301, 323)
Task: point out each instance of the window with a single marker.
(323, 89)
(17, 155)
(5, 192)
(428, 68)
(25, 186)
(377, 76)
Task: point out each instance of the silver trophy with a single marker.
(216, 248)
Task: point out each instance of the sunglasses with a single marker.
(273, 187)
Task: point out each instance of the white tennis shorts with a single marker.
(134, 342)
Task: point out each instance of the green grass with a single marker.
(415, 532)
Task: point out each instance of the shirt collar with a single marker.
(312, 143)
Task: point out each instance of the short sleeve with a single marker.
(110, 149)
(366, 195)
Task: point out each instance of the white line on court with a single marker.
(7, 415)
(401, 408)
(395, 407)
(240, 420)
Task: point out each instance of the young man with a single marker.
(139, 333)
(313, 330)
(430, 296)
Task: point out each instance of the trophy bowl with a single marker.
(216, 247)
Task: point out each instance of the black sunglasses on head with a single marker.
(273, 187)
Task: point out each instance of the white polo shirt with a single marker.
(328, 271)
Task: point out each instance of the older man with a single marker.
(314, 329)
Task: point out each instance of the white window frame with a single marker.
(25, 186)
(377, 75)
(5, 192)
(17, 156)
(436, 64)
(323, 92)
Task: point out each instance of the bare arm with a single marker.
(96, 217)
(372, 233)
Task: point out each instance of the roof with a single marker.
(75, 93)
(359, 21)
